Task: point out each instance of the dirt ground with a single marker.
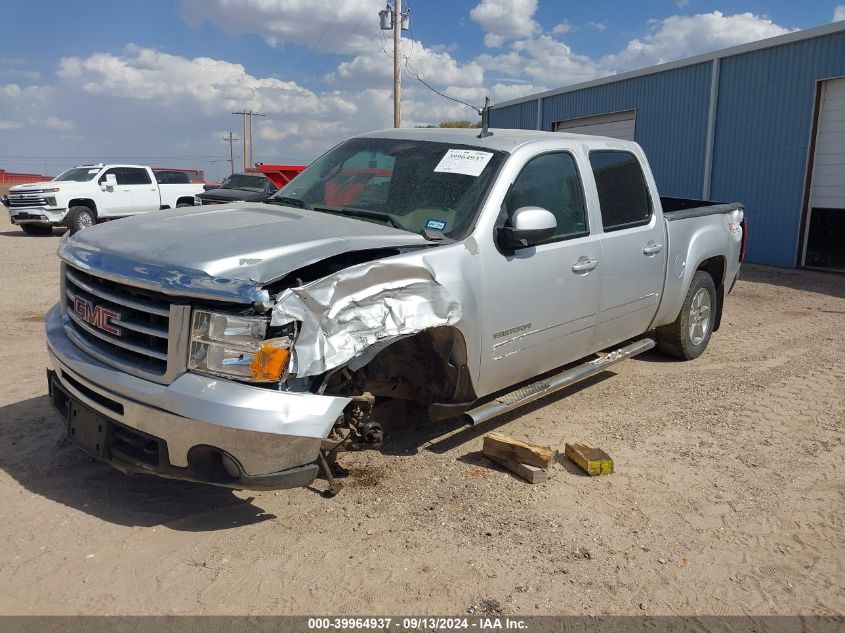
(728, 495)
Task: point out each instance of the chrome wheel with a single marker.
(85, 220)
(699, 316)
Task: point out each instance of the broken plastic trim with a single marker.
(367, 305)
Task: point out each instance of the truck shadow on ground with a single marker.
(19, 233)
(821, 282)
(35, 452)
(415, 431)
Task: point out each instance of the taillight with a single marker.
(744, 226)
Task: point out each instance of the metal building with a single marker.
(761, 123)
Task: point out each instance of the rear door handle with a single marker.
(584, 265)
(652, 248)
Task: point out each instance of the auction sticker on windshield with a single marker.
(469, 162)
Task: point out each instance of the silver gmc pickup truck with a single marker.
(246, 345)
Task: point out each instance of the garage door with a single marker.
(827, 186)
(616, 125)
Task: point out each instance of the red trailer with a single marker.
(280, 175)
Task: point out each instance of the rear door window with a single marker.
(134, 176)
(622, 189)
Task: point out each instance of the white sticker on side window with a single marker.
(464, 161)
(93, 171)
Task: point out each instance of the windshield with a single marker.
(244, 181)
(78, 174)
(410, 184)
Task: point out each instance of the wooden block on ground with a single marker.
(590, 459)
(513, 450)
(531, 474)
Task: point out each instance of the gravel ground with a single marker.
(728, 495)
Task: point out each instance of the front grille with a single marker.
(134, 329)
(32, 199)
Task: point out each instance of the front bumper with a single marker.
(53, 216)
(272, 437)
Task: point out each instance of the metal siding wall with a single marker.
(520, 116)
(763, 123)
(671, 120)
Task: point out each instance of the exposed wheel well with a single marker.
(83, 203)
(186, 200)
(430, 366)
(715, 267)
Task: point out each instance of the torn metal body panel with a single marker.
(352, 314)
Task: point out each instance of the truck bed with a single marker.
(681, 208)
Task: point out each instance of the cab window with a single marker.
(552, 182)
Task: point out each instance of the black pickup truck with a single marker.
(240, 188)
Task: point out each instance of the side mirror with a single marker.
(110, 182)
(528, 225)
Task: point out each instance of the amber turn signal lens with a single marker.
(271, 359)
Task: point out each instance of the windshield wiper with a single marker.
(363, 213)
(289, 201)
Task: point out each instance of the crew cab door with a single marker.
(540, 301)
(115, 197)
(633, 248)
(144, 189)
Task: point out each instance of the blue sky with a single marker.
(155, 81)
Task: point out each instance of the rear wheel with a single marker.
(687, 337)
(79, 218)
(37, 229)
(184, 204)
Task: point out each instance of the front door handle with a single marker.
(652, 248)
(584, 265)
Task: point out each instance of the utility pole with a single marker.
(231, 139)
(252, 114)
(247, 135)
(397, 66)
(390, 18)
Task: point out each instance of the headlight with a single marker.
(235, 346)
(197, 201)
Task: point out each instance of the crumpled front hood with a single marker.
(225, 251)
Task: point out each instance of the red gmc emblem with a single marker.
(97, 316)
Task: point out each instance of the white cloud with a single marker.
(375, 69)
(337, 27)
(562, 28)
(543, 58)
(216, 86)
(9, 125)
(683, 36)
(839, 13)
(505, 20)
(598, 26)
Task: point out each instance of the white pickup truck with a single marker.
(85, 195)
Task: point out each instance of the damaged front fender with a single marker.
(359, 310)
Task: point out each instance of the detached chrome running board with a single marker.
(523, 395)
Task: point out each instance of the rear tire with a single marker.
(79, 218)
(37, 229)
(184, 204)
(687, 337)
